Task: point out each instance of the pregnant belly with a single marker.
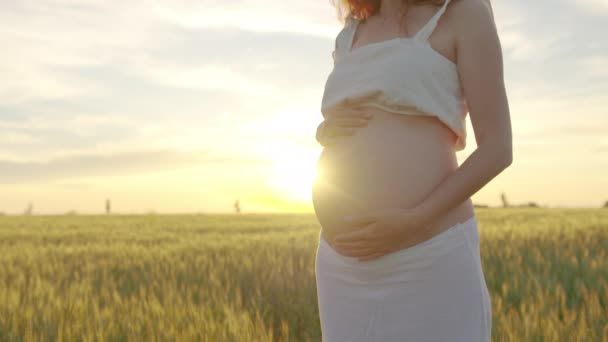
(394, 161)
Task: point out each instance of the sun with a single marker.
(288, 147)
(292, 177)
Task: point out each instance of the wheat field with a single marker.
(250, 277)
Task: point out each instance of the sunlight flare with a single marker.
(293, 177)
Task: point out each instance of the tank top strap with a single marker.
(344, 37)
(349, 32)
(425, 32)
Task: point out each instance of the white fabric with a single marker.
(434, 291)
(397, 75)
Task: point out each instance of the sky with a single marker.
(185, 106)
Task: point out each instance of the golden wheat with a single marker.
(250, 277)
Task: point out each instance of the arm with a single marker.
(319, 134)
(480, 67)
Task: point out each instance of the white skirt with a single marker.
(434, 291)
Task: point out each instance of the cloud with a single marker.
(601, 148)
(41, 137)
(595, 67)
(203, 77)
(598, 7)
(100, 165)
(137, 39)
(307, 18)
(114, 76)
(131, 78)
(41, 36)
(587, 129)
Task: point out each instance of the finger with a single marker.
(359, 245)
(333, 131)
(360, 239)
(324, 136)
(352, 245)
(360, 253)
(371, 256)
(361, 250)
(349, 111)
(360, 114)
(320, 134)
(365, 233)
(352, 115)
(347, 122)
(377, 252)
(329, 142)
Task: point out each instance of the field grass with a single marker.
(250, 277)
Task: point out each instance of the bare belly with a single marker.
(394, 161)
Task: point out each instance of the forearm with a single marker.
(485, 163)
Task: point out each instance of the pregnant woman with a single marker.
(398, 255)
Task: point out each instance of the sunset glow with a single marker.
(185, 107)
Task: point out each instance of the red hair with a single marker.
(362, 9)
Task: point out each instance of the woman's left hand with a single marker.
(383, 232)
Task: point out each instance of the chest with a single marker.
(397, 63)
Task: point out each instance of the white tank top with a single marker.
(403, 75)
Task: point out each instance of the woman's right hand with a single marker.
(341, 123)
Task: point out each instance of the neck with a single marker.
(391, 7)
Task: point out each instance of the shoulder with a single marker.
(466, 11)
(471, 7)
(472, 16)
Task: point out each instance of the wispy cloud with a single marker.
(71, 62)
(100, 165)
(597, 7)
(305, 18)
(107, 87)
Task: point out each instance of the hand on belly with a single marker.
(393, 162)
(381, 232)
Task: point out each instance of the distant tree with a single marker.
(606, 204)
(108, 206)
(503, 198)
(532, 205)
(1, 213)
(29, 210)
(480, 205)
(237, 206)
